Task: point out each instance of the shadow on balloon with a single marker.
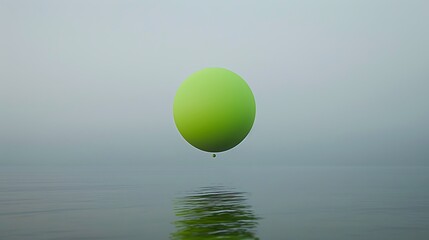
(214, 213)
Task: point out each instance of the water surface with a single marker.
(279, 202)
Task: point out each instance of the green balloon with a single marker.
(214, 109)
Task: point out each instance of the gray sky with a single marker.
(335, 82)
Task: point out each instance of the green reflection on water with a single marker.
(214, 213)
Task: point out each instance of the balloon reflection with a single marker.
(214, 213)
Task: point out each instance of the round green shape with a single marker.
(214, 109)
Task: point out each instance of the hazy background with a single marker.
(335, 82)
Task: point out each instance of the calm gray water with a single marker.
(271, 202)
